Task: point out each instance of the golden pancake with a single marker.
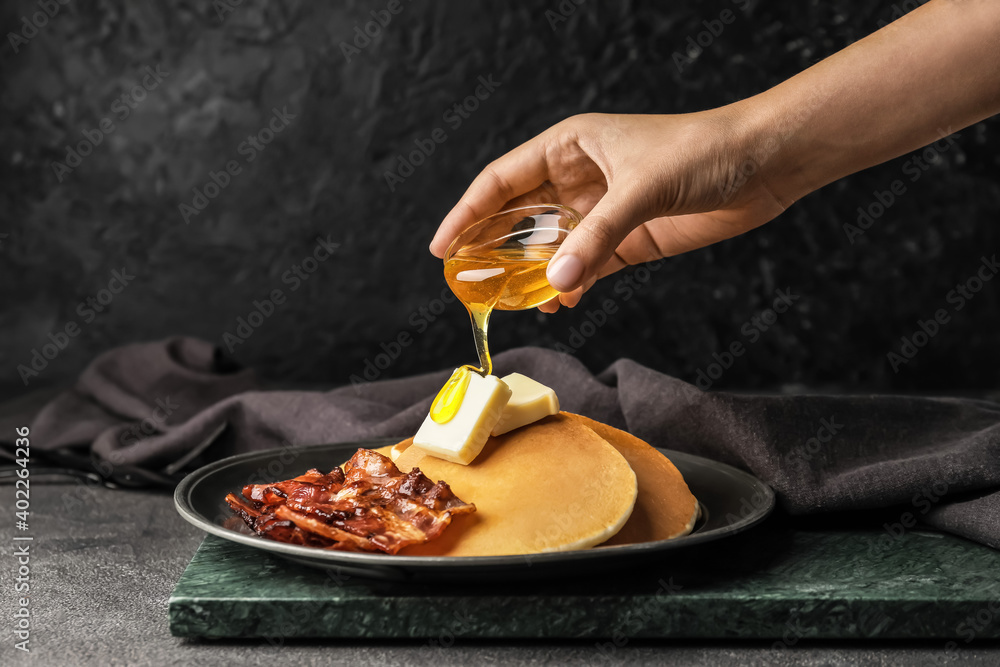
(385, 451)
(399, 448)
(664, 507)
(552, 486)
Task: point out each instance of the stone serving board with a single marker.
(776, 582)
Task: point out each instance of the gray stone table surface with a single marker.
(103, 565)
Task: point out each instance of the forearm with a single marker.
(920, 78)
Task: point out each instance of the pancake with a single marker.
(385, 451)
(552, 486)
(399, 448)
(664, 507)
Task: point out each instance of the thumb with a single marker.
(590, 245)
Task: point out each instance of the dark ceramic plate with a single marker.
(731, 501)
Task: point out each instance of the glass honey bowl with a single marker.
(500, 263)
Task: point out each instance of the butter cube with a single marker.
(529, 402)
(462, 437)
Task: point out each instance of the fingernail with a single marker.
(565, 272)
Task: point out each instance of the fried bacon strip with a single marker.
(368, 506)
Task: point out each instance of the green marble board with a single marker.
(775, 582)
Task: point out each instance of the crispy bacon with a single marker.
(368, 506)
(276, 492)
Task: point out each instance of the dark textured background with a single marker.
(323, 175)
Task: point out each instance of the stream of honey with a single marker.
(484, 280)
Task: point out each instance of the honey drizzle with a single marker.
(510, 281)
(449, 399)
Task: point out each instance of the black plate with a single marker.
(731, 501)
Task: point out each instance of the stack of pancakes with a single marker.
(562, 483)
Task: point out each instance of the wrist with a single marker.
(764, 163)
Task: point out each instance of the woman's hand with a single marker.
(648, 187)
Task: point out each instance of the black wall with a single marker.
(220, 77)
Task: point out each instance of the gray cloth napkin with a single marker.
(158, 407)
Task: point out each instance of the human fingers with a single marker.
(550, 306)
(589, 247)
(519, 171)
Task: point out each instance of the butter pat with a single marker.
(462, 437)
(529, 402)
